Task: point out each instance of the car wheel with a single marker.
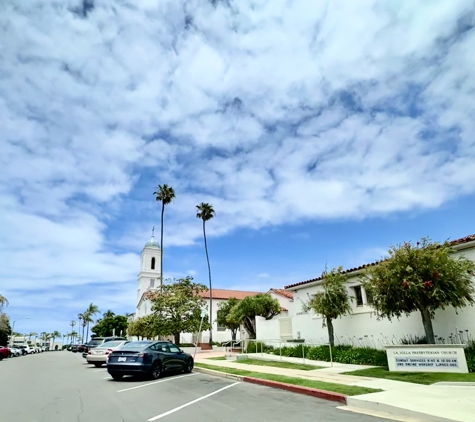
(117, 377)
(97, 364)
(189, 366)
(156, 370)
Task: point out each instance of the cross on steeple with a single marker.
(153, 231)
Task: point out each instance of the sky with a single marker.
(321, 133)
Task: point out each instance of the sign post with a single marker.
(203, 314)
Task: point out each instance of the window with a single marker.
(152, 283)
(359, 295)
(153, 263)
(220, 328)
(173, 348)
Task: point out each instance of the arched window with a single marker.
(153, 263)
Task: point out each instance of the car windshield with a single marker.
(135, 345)
(111, 344)
(95, 342)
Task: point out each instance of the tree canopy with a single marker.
(246, 311)
(423, 277)
(333, 301)
(178, 308)
(225, 318)
(105, 327)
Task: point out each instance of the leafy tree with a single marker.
(423, 277)
(206, 212)
(105, 327)
(165, 195)
(178, 307)
(147, 327)
(333, 301)
(225, 317)
(246, 311)
(5, 328)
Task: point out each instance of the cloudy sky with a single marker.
(321, 132)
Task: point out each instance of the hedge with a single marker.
(343, 353)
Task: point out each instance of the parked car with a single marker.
(98, 341)
(4, 352)
(25, 349)
(15, 352)
(98, 355)
(74, 348)
(151, 358)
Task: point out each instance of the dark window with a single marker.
(358, 295)
(153, 263)
(173, 348)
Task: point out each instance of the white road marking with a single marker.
(156, 382)
(162, 415)
(106, 378)
(100, 370)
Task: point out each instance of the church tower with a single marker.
(149, 275)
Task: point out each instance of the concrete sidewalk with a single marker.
(436, 403)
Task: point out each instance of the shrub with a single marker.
(256, 347)
(470, 355)
(414, 340)
(341, 353)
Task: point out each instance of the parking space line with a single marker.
(100, 370)
(156, 382)
(176, 409)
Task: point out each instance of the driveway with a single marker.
(61, 387)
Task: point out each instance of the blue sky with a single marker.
(321, 133)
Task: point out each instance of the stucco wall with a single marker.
(363, 326)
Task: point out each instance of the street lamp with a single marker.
(12, 339)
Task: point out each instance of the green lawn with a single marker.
(348, 390)
(217, 358)
(414, 377)
(278, 364)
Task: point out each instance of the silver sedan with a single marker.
(98, 356)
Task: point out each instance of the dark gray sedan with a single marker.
(149, 358)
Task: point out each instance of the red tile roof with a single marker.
(282, 292)
(460, 241)
(228, 294)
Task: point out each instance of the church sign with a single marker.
(427, 358)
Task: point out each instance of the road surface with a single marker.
(62, 387)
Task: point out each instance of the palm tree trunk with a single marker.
(84, 340)
(161, 245)
(87, 332)
(210, 288)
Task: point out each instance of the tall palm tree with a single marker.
(79, 320)
(30, 335)
(206, 212)
(82, 317)
(53, 336)
(91, 311)
(165, 194)
(108, 314)
(72, 324)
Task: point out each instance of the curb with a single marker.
(313, 392)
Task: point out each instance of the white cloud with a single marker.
(272, 111)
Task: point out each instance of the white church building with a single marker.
(148, 280)
(363, 327)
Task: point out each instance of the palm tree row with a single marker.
(205, 212)
(85, 318)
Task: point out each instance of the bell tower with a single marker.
(149, 275)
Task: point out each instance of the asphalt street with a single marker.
(62, 387)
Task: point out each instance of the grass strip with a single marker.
(275, 364)
(425, 378)
(348, 390)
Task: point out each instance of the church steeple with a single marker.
(149, 275)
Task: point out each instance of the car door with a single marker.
(178, 356)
